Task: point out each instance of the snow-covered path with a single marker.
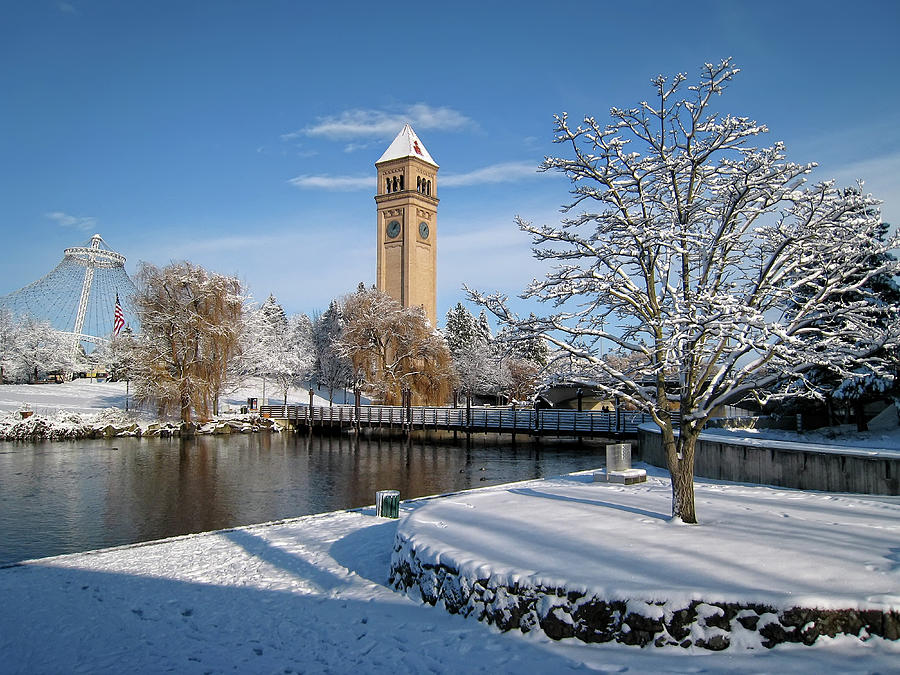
(309, 595)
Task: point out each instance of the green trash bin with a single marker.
(387, 503)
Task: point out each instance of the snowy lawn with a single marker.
(755, 544)
(87, 396)
(310, 594)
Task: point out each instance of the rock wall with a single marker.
(563, 613)
(71, 426)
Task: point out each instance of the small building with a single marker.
(566, 396)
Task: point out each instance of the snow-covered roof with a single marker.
(407, 144)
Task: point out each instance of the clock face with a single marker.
(423, 230)
(393, 229)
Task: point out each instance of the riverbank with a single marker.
(312, 594)
(90, 409)
(116, 423)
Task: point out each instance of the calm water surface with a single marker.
(81, 495)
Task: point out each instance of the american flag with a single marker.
(118, 318)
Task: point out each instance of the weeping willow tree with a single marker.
(191, 323)
(393, 348)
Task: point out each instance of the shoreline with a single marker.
(312, 593)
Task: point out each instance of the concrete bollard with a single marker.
(387, 503)
(618, 457)
(618, 466)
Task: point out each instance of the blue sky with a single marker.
(242, 135)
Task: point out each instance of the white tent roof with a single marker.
(407, 144)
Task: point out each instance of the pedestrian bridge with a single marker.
(545, 422)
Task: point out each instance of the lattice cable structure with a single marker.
(78, 296)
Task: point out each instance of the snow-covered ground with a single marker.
(89, 396)
(823, 440)
(791, 547)
(310, 594)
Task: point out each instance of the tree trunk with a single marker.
(185, 405)
(680, 461)
(860, 415)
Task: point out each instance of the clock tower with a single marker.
(406, 199)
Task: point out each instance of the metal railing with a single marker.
(486, 419)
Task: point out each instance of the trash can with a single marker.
(387, 503)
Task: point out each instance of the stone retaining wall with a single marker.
(72, 427)
(562, 613)
(785, 467)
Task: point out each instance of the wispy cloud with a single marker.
(503, 172)
(334, 182)
(368, 123)
(66, 8)
(83, 223)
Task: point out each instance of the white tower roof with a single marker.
(407, 144)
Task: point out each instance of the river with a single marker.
(65, 497)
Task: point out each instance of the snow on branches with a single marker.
(712, 260)
(191, 325)
(394, 349)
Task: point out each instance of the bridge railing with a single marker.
(506, 420)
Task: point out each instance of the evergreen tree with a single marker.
(881, 293)
(483, 329)
(460, 329)
(332, 370)
(274, 315)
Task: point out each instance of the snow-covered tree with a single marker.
(40, 349)
(691, 247)
(273, 349)
(274, 315)
(120, 355)
(483, 329)
(460, 329)
(301, 349)
(191, 325)
(394, 348)
(864, 384)
(332, 370)
(471, 344)
(9, 346)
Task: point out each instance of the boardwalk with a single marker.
(466, 420)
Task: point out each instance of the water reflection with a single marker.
(65, 497)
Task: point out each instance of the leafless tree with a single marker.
(711, 259)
